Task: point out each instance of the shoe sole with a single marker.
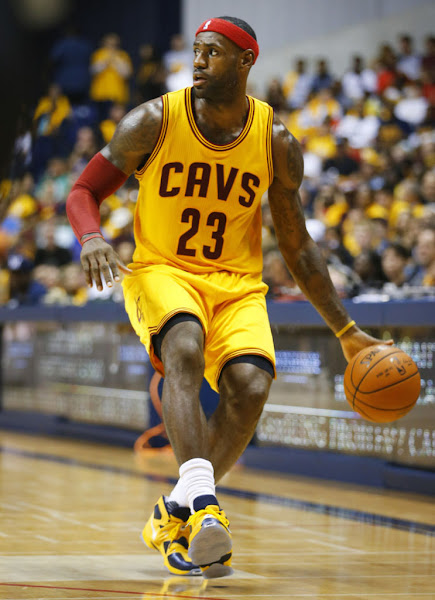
(209, 545)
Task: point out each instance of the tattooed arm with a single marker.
(133, 141)
(135, 137)
(300, 252)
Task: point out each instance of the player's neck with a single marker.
(222, 113)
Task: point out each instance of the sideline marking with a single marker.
(79, 589)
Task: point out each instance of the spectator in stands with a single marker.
(409, 62)
(334, 243)
(49, 277)
(429, 123)
(21, 159)
(395, 259)
(312, 162)
(178, 57)
(343, 162)
(359, 128)
(428, 187)
(358, 81)
(23, 203)
(322, 78)
(379, 234)
(51, 112)
(322, 143)
(368, 267)
(51, 253)
(150, 74)
(408, 197)
(275, 95)
(23, 290)
(57, 178)
(84, 149)
(389, 132)
(359, 232)
(111, 69)
(386, 69)
(321, 106)
(70, 59)
(178, 64)
(404, 229)
(428, 87)
(297, 85)
(425, 258)
(428, 58)
(74, 284)
(412, 108)
(384, 197)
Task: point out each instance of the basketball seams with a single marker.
(371, 418)
(390, 384)
(397, 351)
(362, 413)
(385, 409)
(377, 407)
(353, 397)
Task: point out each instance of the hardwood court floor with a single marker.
(72, 513)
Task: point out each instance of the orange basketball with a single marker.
(382, 383)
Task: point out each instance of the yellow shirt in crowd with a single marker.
(110, 84)
(51, 114)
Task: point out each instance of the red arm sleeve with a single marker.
(99, 180)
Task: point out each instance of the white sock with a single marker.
(178, 494)
(197, 477)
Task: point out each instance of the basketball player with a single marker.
(204, 156)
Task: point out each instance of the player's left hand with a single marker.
(355, 340)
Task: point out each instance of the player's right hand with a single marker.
(99, 258)
(355, 340)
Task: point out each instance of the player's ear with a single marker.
(247, 59)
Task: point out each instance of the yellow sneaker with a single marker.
(210, 543)
(170, 536)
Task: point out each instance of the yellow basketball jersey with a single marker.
(199, 204)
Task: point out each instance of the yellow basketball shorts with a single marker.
(231, 308)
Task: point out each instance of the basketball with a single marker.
(382, 383)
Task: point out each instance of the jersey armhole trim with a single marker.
(269, 146)
(161, 138)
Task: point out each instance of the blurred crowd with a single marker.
(368, 138)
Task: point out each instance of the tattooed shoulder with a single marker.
(287, 156)
(135, 136)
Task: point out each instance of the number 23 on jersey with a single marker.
(216, 221)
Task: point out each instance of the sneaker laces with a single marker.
(211, 511)
(171, 530)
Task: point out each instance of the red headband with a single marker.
(237, 35)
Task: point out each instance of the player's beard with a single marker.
(220, 90)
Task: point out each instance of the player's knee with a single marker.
(183, 353)
(245, 386)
